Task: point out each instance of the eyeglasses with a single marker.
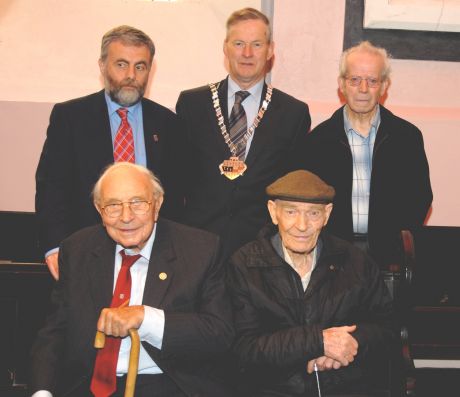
(137, 207)
(355, 81)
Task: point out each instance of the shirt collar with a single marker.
(374, 123)
(255, 91)
(146, 251)
(113, 106)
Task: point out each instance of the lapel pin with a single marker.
(155, 138)
(332, 267)
(162, 276)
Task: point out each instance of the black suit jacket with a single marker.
(400, 190)
(79, 146)
(198, 326)
(236, 210)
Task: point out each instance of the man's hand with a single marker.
(53, 266)
(340, 345)
(323, 363)
(118, 321)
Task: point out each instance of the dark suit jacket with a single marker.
(78, 147)
(400, 191)
(198, 324)
(236, 210)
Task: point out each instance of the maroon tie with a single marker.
(103, 382)
(123, 145)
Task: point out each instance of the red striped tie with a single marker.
(123, 145)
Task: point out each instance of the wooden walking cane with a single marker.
(99, 342)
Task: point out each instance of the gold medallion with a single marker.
(232, 168)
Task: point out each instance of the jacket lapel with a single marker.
(101, 149)
(161, 267)
(152, 139)
(100, 268)
(222, 90)
(267, 124)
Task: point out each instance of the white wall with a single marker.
(49, 54)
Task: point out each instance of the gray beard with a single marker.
(126, 98)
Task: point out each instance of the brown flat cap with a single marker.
(302, 186)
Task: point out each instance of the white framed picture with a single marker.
(420, 15)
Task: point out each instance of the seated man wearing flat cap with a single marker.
(306, 299)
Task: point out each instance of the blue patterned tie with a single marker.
(238, 124)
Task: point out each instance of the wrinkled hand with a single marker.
(340, 345)
(323, 363)
(118, 321)
(53, 266)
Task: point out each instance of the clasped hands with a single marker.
(340, 349)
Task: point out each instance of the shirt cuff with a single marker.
(42, 393)
(52, 251)
(153, 326)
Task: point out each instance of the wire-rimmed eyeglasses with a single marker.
(355, 81)
(137, 207)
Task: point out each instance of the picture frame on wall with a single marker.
(402, 34)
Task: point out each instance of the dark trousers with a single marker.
(150, 386)
(146, 386)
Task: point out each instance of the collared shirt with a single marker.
(361, 150)
(251, 104)
(135, 120)
(282, 251)
(152, 328)
(307, 276)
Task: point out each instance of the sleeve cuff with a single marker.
(153, 326)
(42, 393)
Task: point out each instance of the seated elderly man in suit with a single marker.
(135, 271)
(305, 299)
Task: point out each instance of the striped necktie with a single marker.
(123, 145)
(238, 124)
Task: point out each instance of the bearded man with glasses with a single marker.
(375, 160)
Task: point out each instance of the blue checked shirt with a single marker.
(361, 151)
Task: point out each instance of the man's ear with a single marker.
(158, 203)
(101, 66)
(99, 209)
(271, 50)
(271, 205)
(329, 207)
(341, 83)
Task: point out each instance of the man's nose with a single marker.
(302, 222)
(131, 72)
(126, 213)
(363, 86)
(247, 50)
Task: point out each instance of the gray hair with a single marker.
(366, 46)
(157, 189)
(246, 14)
(128, 36)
